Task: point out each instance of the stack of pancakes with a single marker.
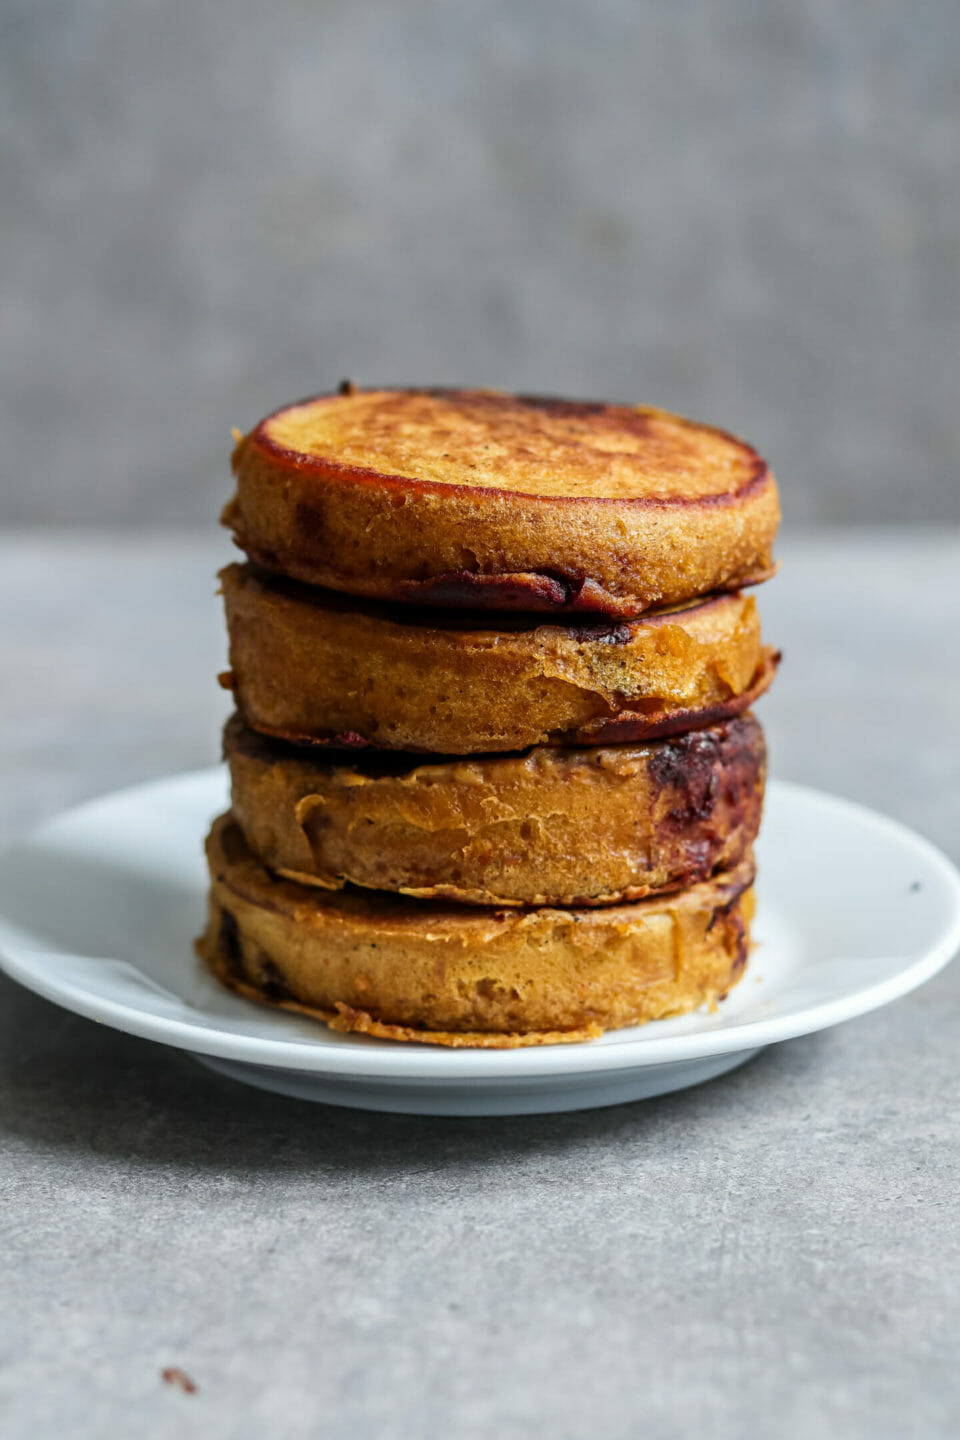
(495, 780)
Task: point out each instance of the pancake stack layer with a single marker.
(495, 780)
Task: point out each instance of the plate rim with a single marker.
(387, 1061)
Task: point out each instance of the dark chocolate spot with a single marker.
(310, 522)
(229, 942)
(601, 633)
(687, 766)
(709, 794)
(272, 980)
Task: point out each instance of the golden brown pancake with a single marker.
(311, 666)
(553, 826)
(483, 499)
(421, 970)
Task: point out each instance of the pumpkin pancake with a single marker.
(482, 499)
(422, 970)
(553, 826)
(311, 666)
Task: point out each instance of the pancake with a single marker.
(554, 826)
(421, 970)
(311, 666)
(482, 499)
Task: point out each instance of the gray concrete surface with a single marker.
(745, 210)
(773, 1255)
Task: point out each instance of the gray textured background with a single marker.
(741, 209)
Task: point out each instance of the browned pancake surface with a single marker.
(501, 501)
(484, 440)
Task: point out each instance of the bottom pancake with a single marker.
(406, 969)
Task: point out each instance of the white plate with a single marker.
(98, 910)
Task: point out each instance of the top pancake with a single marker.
(485, 499)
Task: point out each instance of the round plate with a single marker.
(99, 908)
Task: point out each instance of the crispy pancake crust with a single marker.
(487, 500)
(310, 666)
(421, 970)
(551, 827)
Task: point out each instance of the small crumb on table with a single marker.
(173, 1375)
